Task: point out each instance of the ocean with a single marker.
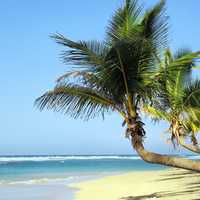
(48, 177)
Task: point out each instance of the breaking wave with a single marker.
(39, 181)
(5, 159)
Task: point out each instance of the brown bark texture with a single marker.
(166, 160)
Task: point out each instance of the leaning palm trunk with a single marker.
(176, 132)
(155, 158)
(193, 148)
(136, 133)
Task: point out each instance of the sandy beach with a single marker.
(170, 184)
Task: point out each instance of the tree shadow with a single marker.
(191, 188)
(178, 175)
(163, 195)
(143, 197)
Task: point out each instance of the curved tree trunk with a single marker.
(193, 148)
(163, 159)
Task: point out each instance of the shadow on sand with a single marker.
(192, 188)
(154, 195)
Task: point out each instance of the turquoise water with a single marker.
(15, 169)
(48, 177)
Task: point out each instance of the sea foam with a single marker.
(5, 159)
(8, 159)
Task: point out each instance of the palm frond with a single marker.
(131, 68)
(185, 59)
(178, 69)
(156, 114)
(76, 101)
(123, 23)
(168, 57)
(192, 125)
(155, 25)
(73, 75)
(192, 94)
(81, 53)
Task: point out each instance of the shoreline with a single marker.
(37, 191)
(166, 184)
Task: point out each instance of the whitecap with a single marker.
(4, 160)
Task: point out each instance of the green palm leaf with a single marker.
(155, 25)
(192, 95)
(156, 114)
(76, 101)
(82, 53)
(123, 24)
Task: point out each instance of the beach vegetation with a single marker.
(128, 74)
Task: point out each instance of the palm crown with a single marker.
(113, 75)
(179, 98)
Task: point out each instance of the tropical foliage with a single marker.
(116, 74)
(179, 101)
(120, 74)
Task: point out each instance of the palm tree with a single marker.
(179, 100)
(117, 75)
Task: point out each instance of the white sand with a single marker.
(160, 185)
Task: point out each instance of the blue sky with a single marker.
(30, 63)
